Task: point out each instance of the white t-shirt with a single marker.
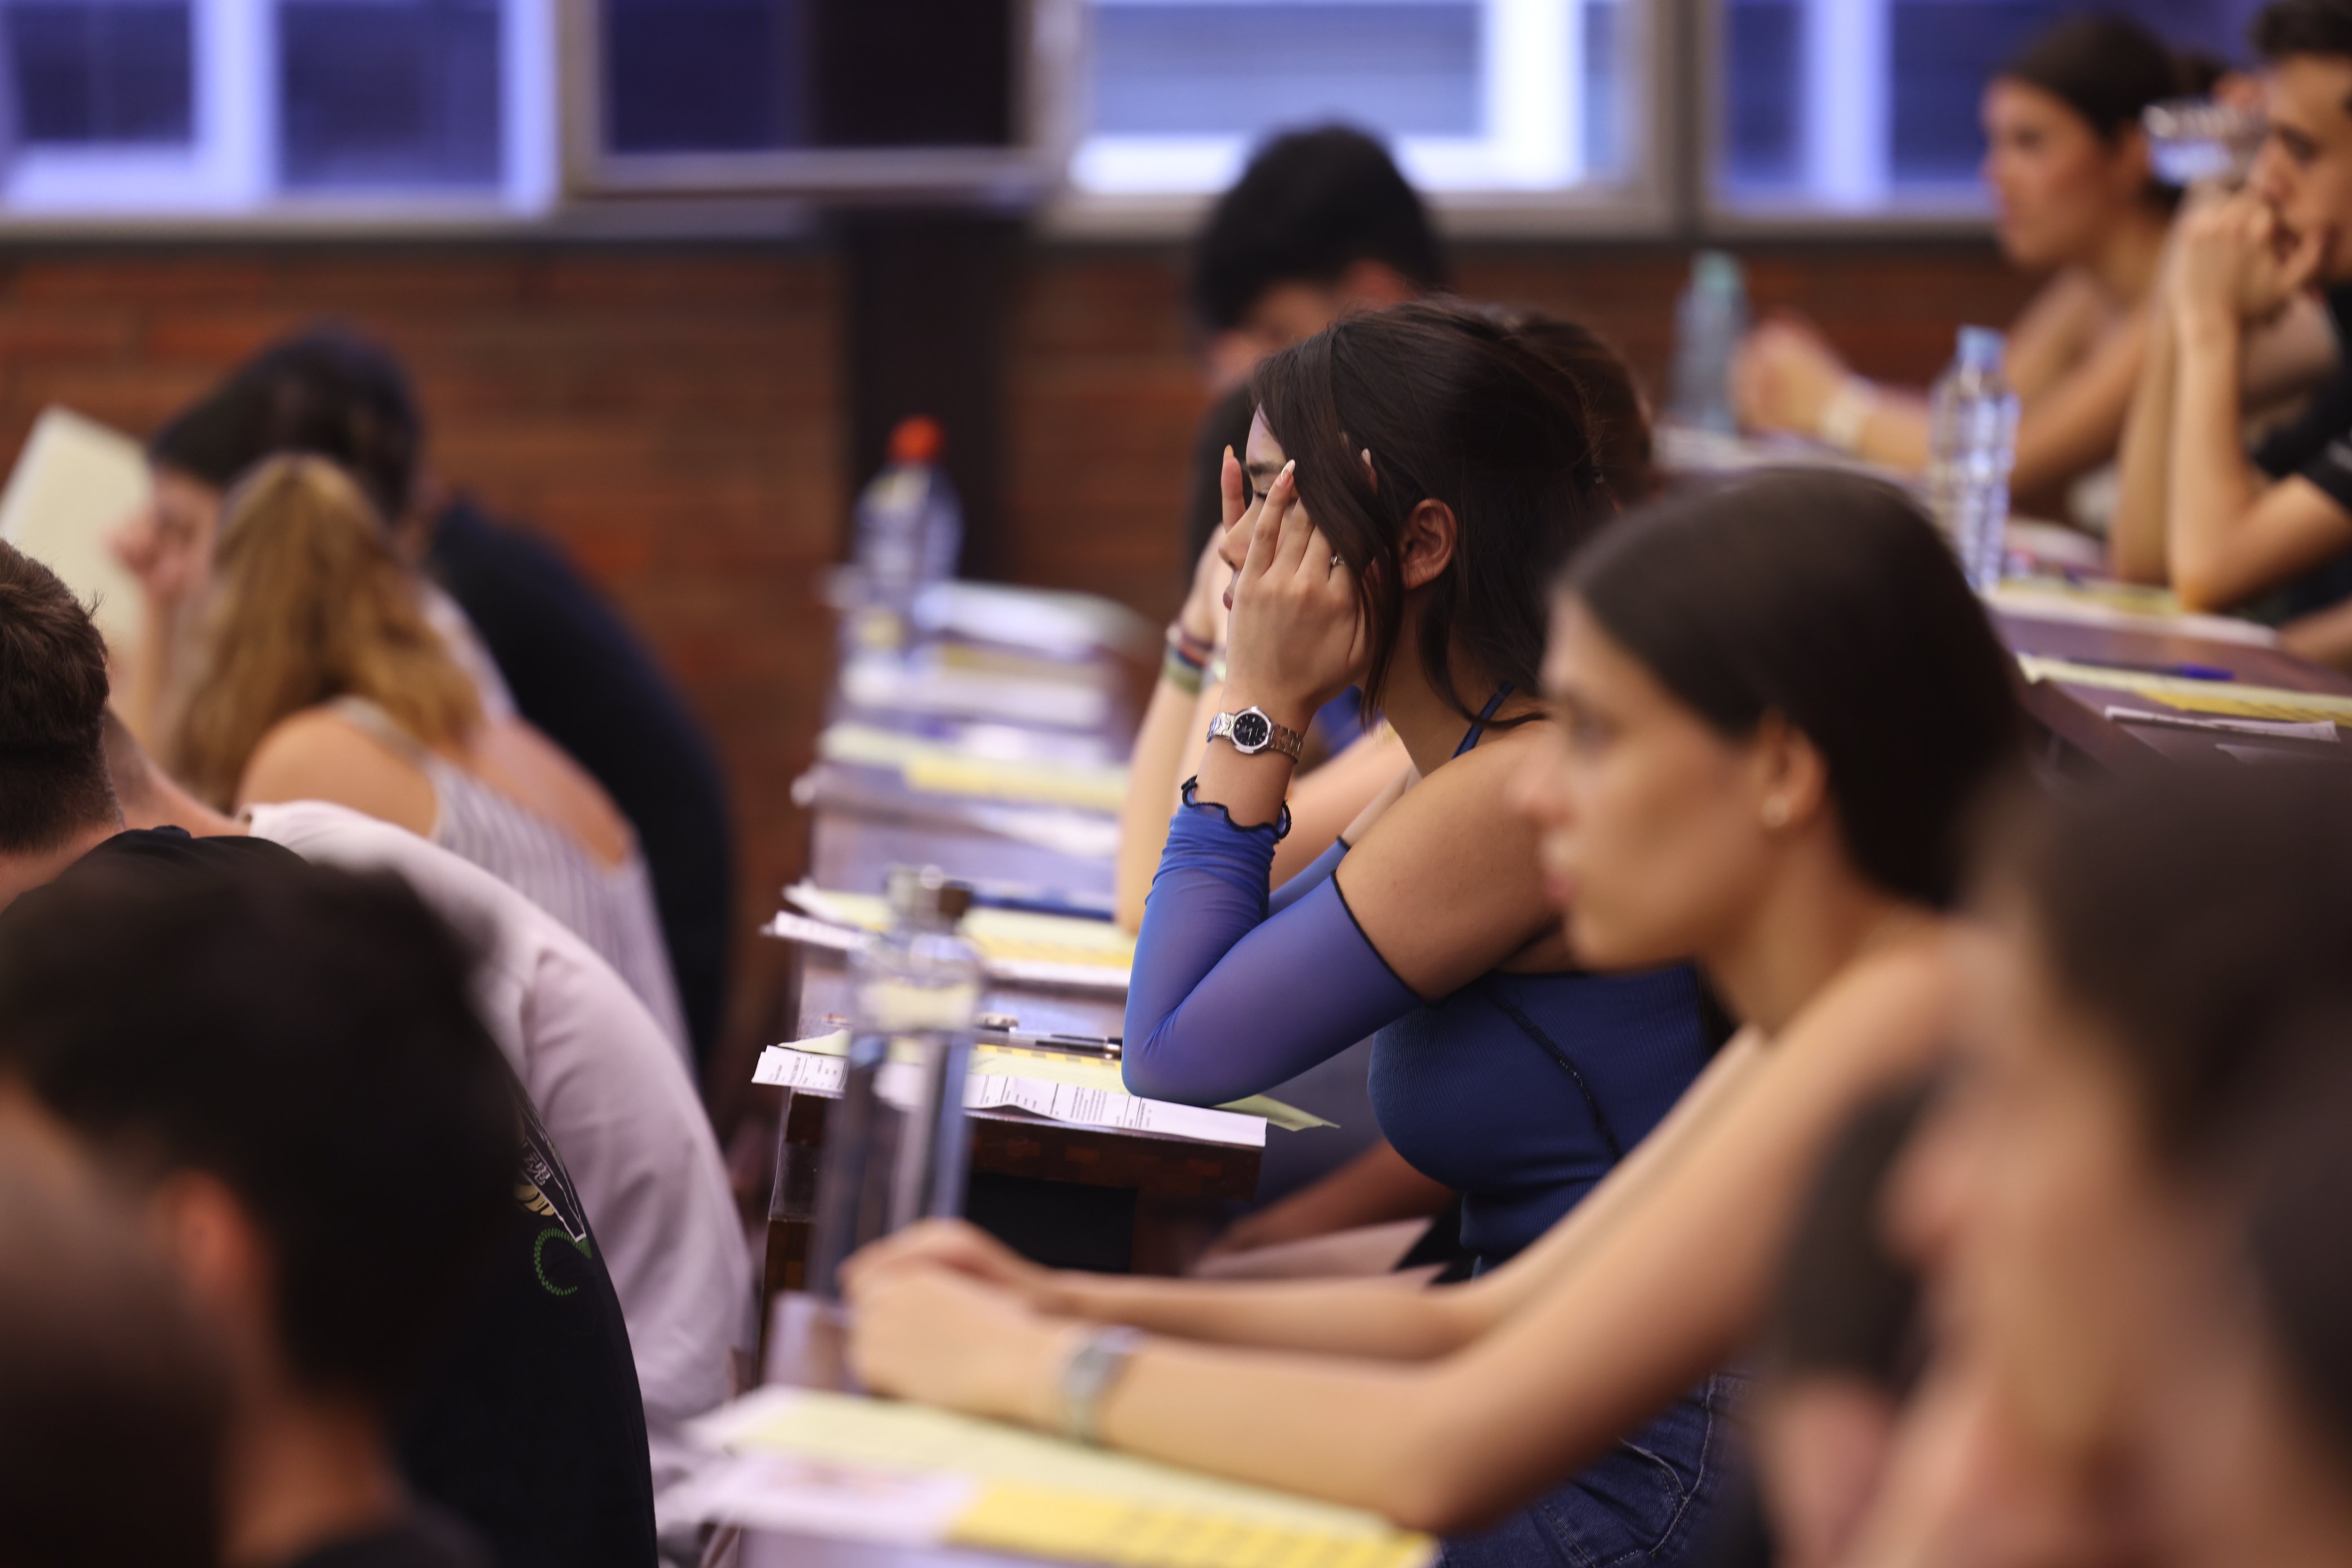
(613, 1095)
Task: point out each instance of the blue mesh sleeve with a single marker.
(1227, 1001)
(1309, 875)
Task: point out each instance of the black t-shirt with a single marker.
(533, 1429)
(2318, 445)
(426, 1539)
(530, 1428)
(580, 674)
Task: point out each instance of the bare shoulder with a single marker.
(319, 755)
(1892, 1008)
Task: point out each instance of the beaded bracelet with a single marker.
(1181, 672)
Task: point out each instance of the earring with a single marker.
(1775, 812)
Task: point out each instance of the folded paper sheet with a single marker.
(1023, 1493)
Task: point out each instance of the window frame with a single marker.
(227, 178)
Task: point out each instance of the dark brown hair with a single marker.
(1613, 410)
(2303, 27)
(53, 690)
(105, 1380)
(1452, 407)
(2200, 913)
(1831, 601)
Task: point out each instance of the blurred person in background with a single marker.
(283, 1062)
(314, 675)
(111, 1391)
(2075, 196)
(539, 641)
(2225, 528)
(532, 1428)
(2130, 1202)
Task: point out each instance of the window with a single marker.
(1474, 95)
(100, 74)
(172, 108)
(1811, 118)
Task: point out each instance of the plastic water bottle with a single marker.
(1709, 321)
(1971, 446)
(896, 1149)
(909, 531)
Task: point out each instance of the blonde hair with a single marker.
(308, 603)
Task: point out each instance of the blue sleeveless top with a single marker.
(1518, 1091)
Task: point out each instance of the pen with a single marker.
(2181, 671)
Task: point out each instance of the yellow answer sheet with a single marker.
(998, 933)
(2230, 697)
(937, 768)
(1044, 1497)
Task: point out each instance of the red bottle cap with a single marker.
(916, 440)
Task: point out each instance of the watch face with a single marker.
(1251, 730)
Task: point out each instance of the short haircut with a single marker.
(304, 1035)
(2198, 913)
(112, 1400)
(2303, 27)
(325, 391)
(1831, 601)
(53, 690)
(1311, 204)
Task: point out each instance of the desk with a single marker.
(2076, 715)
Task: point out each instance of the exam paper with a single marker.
(1058, 1067)
(1044, 1497)
(2246, 701)
(989, 1088)
(938, 768)
(75, 483)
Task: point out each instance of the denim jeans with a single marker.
(1649, 1499)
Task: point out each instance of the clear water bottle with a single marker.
(910, 533)
(896, 1147)
(1971, 446)
(1710, 322)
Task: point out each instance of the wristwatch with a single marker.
(1250, 732)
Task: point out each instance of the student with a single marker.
(1319, 224)
(533, 1429)
(109, 1389)
(295, 1039)
(602, 1075)
(539, 640)
(1774, 707)
(1375, 1184)
(2075, 195)
(316, 677)
(2130, 1203)
(2196, 511)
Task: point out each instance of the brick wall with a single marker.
(669, 413)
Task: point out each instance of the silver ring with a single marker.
(1335, 558)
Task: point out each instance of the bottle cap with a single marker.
(1981, 348)
(1716, 272)
(916, 440)
(926, 895)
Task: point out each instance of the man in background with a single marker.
(530, 1428)
(1319, 224)
(283, 1064)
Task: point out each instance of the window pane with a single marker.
(101, 71)
(389, 93)
(1858, 103)
(1411, 66)
(1523, 95)
(734, 76)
